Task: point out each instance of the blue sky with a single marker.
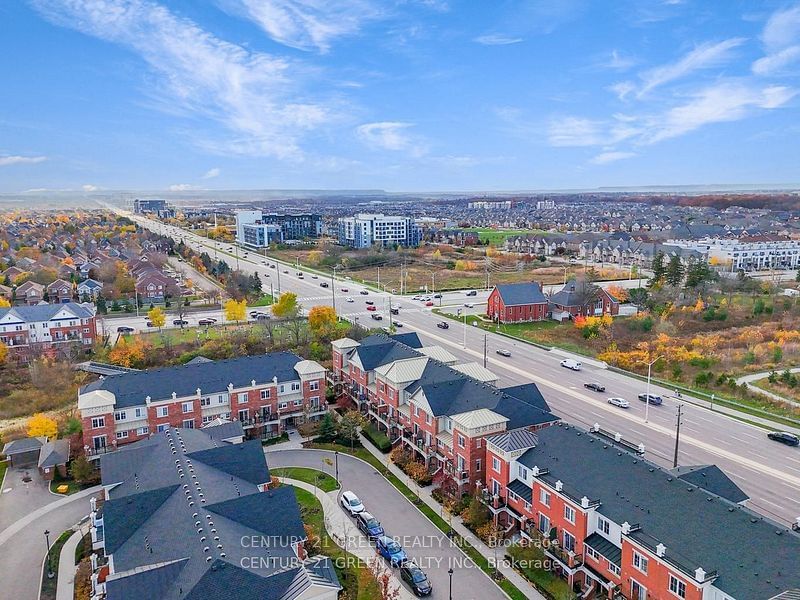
(397, 94)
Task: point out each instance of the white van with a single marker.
(571, 364)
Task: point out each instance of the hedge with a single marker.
(380, 440)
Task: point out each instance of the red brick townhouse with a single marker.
(517, 303)
(572, 301)
(189, 514)
(440, 411)
(47, 328)
(617, 526)
(266, 393)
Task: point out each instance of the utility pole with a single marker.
(433, 284)
(486, 268)
(379, 278)
(390, 313)
(485, 347)
(278, 273)
(333, 288)
(677, 436)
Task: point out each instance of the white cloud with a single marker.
(496, 39)
(200, 75)
(703, 56)
(608, 157)
(618, 62)
(390, 135)
(88, 187)
(6, 161)
(781, 39)
(307, 24)
(623, 89)
(211, 173)
(182, 187)
(576, 131)
(725, 101)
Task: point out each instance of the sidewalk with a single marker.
(748, 379)
(518, 580)
(65, 589)
(341, 528)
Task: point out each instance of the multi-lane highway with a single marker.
(767, 471)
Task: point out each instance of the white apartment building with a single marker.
(365, 230)
(747, 254)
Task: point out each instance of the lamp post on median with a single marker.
(647, 397)
(50, 573)
(336, 459)
(450, 573)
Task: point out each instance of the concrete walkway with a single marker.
(748, 379)
(518, 580)
(344, 532)
(65, 589)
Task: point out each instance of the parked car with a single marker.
(442, 325)
(180, 322)
(323, 284)
(351, 503)
(504, 352)
(205, 322)
(416, 297)
(372, 308)
(345, 290)
(416, 578)
(620, 402)
(377, 317)
(262, 316)
(472, 293)
(364, 293)
(569, 363)
(390, 550)
(595, 386)
(784, 437)
(272, 266)
(125, 329)
(654, 400)
(369, 525)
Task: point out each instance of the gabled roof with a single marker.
(438, 353)
(156, 579)
(23, 445)
(226, 580)
(274, 513)
(712, 479)
(476, 371)
(528, 393)
(124, 516)
(410, 339)
(54, 453)
(46, 312)
(519, 294)
(239, 460)
(482, 417)
(516, 439)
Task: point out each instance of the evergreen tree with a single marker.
(256, 284)
(101, 305)
(698, 273)
(327, 428)
(675, 271)
(659, 270)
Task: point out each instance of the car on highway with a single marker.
(398, 324)
(272, 266)
(345, 290)
(314, 277)
(262, 316)
(390, 550)
(472, 293)
(426, 298)
(654, 400)
(394, 311)
(620, 402)
(206, 322)
(351, 503)
(364, 293)
(437, 295)
(263, 262)
(180, 322)
(595, 386)
(286, 271)
(349, 300)
(416, 297)
(299, 273)
(416, 578)
(377, 317)
(442, 325)
(371, 308)
(784, 437)
(125, 329)
(504, 352)
(469, 304)
(369, 525)
(149, 324)
(369, 302)
(429, 303)
(569, 363)
(323, 284)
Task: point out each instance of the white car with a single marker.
(469, 304)
(350, 300)
(351, 503)
(621, 402)
(569, 363)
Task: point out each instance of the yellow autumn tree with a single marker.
(619, 292)
(314, 257)
(286, 307)
(322, 321)
(4, 303)
(235, 310)
(3, 354)
(40, 425)
(128, 354)
(157, 317)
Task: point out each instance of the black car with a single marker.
(377, 317)
(124, 329)
(443, 325)
(654, 400)
(394, 311)
(180, 322)
(364, 292)
(413, 575)
(784, 437)
(205, 322)
(369, 525)
(595, 386)
(323, 284)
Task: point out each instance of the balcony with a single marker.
(567, 559)
(258, 420)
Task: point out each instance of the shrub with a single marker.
(701, 362)
(378, 438)
(476, 514)
(401, 457)
(419, 473)
(777, 354)
(749, 357)
(701, 379)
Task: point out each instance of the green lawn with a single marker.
(478, 558)
(526, 559)
(357, 581)
(311, 476)
(73, 485)
(3, 467)
(48, 590)
(174, 336)
(265, 300)
(498, 236)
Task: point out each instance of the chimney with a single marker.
(617, 437)
(584, 502)
(174, 395)
(626, 528)
(700, 575)
(230, 387)
(147, 399)
(275, 380)
(198, 391)
(559, 485)
(535, 473)
(595, 428)
(253, 383)
(661, 550)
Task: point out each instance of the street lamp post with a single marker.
(50, 573)
(647, 397)
(450, 573)
(333, 288)
(336, 459)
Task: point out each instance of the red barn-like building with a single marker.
(517, 303)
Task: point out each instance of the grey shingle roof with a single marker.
(45, 312)
(698, 529)
(131, 389)
(54, 453)
(239, 460)
(521, 490)
(124, 516)
(711, 478)
(225, 431)
(516, 294)
(22, 445)
(156, 579)
(410, 339)
(277, 519)
(226, 580)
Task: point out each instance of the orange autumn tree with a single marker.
(128, 354)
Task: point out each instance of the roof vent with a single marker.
(669, 479)
(208, 559)
(222, 554)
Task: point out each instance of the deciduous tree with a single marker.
(286, 307)
(322, 321)
(157, 317)
(235, 310)
(41, 425)
(350, 424)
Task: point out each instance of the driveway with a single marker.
(422, 540)
(23, 491)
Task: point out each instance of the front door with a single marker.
(638, 591)
(99, 442)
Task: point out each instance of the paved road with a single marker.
(767, 471)
(749, 379)
(422, 540)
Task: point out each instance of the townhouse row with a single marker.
(47, 328)
(266, 393)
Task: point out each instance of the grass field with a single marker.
(498, 236)
(311, 476)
